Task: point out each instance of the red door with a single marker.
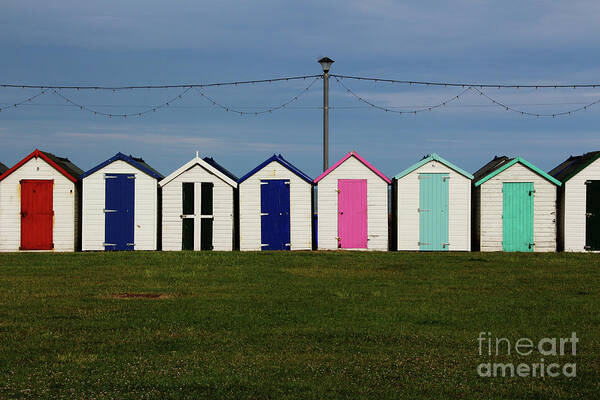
(352, 213)
(36, 214)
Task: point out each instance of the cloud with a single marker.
(177, 142)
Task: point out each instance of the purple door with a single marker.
(352, 213)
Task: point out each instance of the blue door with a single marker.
(433, 212)
(275, 214)
(119, 211)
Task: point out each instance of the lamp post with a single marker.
(326, 64)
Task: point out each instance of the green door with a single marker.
(187, 216)
(517, 216)
(433, 212)
(592, 213)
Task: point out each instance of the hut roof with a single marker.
(135, 162)
(61, 164)
(359, 158)
(285, 163)
(573, 165)
(206, 163)
(499, 164)
(433, 157)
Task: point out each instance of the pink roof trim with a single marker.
(359, 158)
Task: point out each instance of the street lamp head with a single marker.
(326, 63)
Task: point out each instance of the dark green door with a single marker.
(206, 216)
(517, 216)
(592, 213)
(187, 217)
(433, 212)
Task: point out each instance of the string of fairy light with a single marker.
(186, 89)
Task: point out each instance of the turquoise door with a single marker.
(433, 212)
(517, 216)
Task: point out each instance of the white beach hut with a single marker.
(352, 201)
(579, 202)
(433, 206)
(198, 207)
(39, 204)
(275, 207)
(514, 207)
(120, 205)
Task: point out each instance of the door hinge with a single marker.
(531, 245)
(589, 215)
(422, 209)
(130, 244)
(263, 245)
(109, 211)
(445, 244)
(338, 190)
(264, 183)
(108, 244)
(131, 177)
(423, 244)
(588, 182)
(262, 213)
(110, 177)
(287, 183)
(445, 178)
(588, 248)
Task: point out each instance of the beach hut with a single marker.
(275, 207)
(120, 205)
(39, 204)
(433, 206)
(3, 168)
(579, 202)
(352, 204)
(198, 208)
(514, 207)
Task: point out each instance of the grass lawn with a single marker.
(291, 325)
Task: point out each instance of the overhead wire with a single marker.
(475, 87)
(468, 88)
(27, 100)
(389, 109)
(262, 111)
(177, 86)
(123, 115)
(464, 85)
(532, 114)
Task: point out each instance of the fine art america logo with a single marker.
(494, 347)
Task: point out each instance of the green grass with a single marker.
(295, 325)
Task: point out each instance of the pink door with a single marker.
(352, 213)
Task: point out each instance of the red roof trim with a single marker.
(37, 153)
(359, 158)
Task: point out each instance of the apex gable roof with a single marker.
(285, 163)
(61, 164)
(207, 163)
(433, 157)
(573, 165)
(359, 158)
(499, 164)
(135, 162)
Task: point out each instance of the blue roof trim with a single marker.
(281, 161)
(129, 160)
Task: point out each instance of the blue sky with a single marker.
(137, 42)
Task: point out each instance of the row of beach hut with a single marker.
(48, 203)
